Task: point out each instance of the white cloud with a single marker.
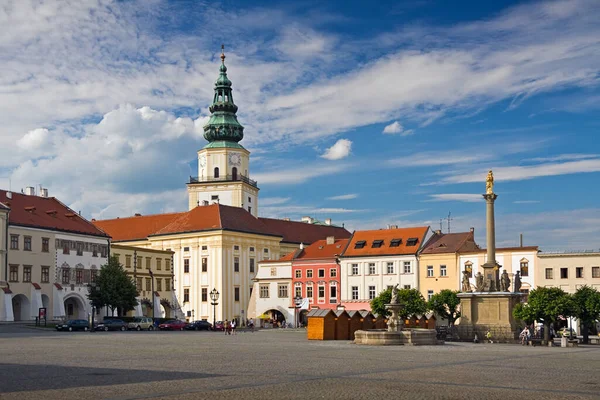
(464, 197)
(395, 128)
(341, 149)
(271, 201)
(297, 174)
(343, 197)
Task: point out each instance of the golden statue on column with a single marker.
(489, 183)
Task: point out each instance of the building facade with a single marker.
(152, 272)
(271, 302)
(379, 259)
(52, 256)
(512, 259)
(439, 261)
(568, 271)
(219, 241)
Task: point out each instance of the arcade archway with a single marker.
(21, 307)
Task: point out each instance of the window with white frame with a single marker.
(298, 290)
(298, 273)
(390, 268)
(332, 273)
(407, 267)
(332, 292)
(354, 269)
(372, 292)
(309, 291)
(372, 269)
(264, 291)
(321, 291)
(283, 291)
(354, 292)
(443, 270)
(406, 286)
(429, 294)
(309, 273)
(429, 270)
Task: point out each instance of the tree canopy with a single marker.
(586, 308)
(411, 299)
(113, 288)
(545, 304)
(445, 304)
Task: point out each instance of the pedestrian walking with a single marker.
(233, 326)
(226, 327)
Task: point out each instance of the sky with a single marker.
(390, 113)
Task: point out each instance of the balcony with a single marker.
(223, 178)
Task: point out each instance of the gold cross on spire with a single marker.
(223, 53)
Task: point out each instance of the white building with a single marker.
(272, 294)
(512, 259)
(378, 259)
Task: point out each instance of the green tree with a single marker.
(586, 302)
(545, 305)
(411, 299)
(445, 304)
(113, 288)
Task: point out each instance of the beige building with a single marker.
(3, 245)
(568, 271)
(439, 261)
(53, 254)
(152, 272)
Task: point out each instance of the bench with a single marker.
(534, 342)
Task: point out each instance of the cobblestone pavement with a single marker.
(282, 364)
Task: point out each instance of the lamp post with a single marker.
(214, 296)
(152, 281)
(193, 316)
(93, 286)
(297, 304)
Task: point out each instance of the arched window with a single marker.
(216, 172)
(524, 267)
(234, 174)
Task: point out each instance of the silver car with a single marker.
(140, 323)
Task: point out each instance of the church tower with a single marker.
(223, 164)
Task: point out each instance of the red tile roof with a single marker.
(386, 236)
(451, 243)
(288, 257)
(212, 217)
(321, 250)
(46, 213)
(135, 228)
(3, 207)
(302, 232)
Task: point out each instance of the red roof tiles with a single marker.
(302, 232)
(135, 228)
(321, 250)
(451, 243)
(386, 236)
(32, 211)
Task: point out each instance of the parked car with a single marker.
(199, 326)
(219, 326)
(112, 325)
(141, 323)
(172, 325)
(74, 325)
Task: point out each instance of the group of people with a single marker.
(229, 327)
(528, 333)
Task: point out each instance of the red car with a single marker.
(172, 325)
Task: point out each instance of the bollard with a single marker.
(563, 341)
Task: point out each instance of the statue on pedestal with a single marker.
(395, 299)
(489, 183)
(517, 282)
(466, 285)
(394, 322)
(479, 282)
(505, 282)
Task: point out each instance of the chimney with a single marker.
(30, 191)
(520, 240)
(328, 221)
(9, 195)
(330, 239)
(301, 246)
(392, 226)
(285, 219)
(204, 202)
(438, 232)
(137, 215)
(307, 219)
(44, 192)
(472, 230)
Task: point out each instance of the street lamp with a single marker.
(93, 286)
(153, 307)
(297, 304)
(214, 296)
(193, 316)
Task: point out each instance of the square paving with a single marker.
(37, 364)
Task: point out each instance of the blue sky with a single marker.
(386, 114)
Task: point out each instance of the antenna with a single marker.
(448, 218)
(441, 224)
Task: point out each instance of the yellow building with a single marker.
(151, 270)
(439, 261)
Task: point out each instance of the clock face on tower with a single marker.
(202, 161)
(235, 159)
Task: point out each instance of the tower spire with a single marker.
(223, 125)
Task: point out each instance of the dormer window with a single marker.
(377, 244)
(412, 241)
(395, 242)
(360, 244)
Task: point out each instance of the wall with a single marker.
(327, 282)
(436, 283)
(571, 261)
(273, 275)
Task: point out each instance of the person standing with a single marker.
(226, 326)
(233, 326)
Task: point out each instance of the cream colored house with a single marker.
(439, 261)
(152, 272)
(53, 254)
(568, 271)
(219, 241)
(512, 259)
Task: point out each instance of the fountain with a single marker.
(395, 335)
